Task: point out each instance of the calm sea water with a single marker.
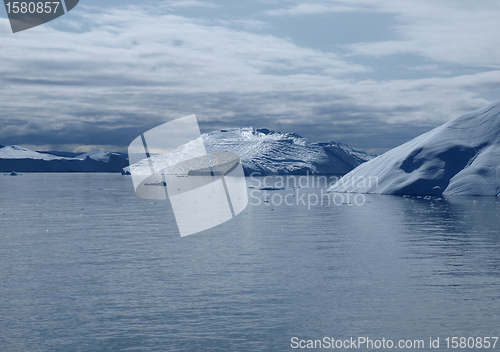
(86, 265)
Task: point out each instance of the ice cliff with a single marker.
(461, 157)
(267, 152)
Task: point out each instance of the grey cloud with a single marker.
(131, 71)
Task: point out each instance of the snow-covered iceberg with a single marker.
(461, 157)
(266, 152)
(16, 158)
(97, 155)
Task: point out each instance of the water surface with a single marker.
(86, 265)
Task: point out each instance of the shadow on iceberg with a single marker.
(461, 157)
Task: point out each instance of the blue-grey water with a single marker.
(86, 265)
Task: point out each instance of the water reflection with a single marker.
(87, 265)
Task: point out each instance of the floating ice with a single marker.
(266, 152)
(461, 157)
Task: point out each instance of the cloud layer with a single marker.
(121, 71)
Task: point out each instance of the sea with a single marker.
(86, 265)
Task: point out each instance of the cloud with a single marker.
(248, 25)
(127, 70)
(173, 4)
(314, 8)
(449, 31)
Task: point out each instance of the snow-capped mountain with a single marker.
(461, 157)
(97, 155)
(15, 158)
(267, 152)
(16, 152)
(59, 153)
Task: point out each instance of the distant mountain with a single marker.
(268, 152)
(59, 153)
(96, 154)
(100, 156)
(15, 158)
(461, 157)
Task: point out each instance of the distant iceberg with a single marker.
(267, 152)
(461, 157)
(25, 160)
(97, 155)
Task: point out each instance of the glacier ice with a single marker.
(461, 157)
(266, 152)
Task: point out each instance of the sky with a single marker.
(372, 74)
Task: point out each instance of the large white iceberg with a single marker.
(461, 157)
(266, 152)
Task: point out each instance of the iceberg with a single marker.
(266, 152)
(25, 160)
(461, 157)
(59, 153)
(98, 155)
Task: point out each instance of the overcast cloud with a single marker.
(100, 76)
